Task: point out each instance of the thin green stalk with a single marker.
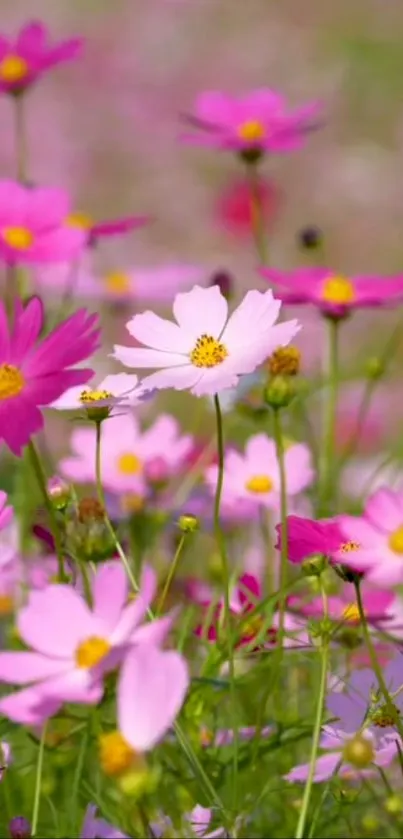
(38, 782)
(101, 499)
(324, 654)
(20, 138)
(227, 582)
(279, 441)
(41, 479)
(327, 476)
(374, 661)
(258, 226)
(171, 573)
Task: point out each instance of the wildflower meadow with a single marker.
(201, 482)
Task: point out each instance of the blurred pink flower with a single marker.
(257, 122)
(233, 209)
(104, 229)
(32, 225)
(95, 828)
(73, 646)
(126, 451)
(379, 535)
(117, 390)
(206, 351)
(33, 374)
(255, 475)
(24, 59)
(378, 606)
(334, 294)
(336, 742)
(6, 511)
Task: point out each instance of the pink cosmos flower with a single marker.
(199, 821)
(255, 476)
(117, 390)
(95, 828)
(335, 742)
(225, 736)
(256, 122)
(34, 373)
(32, 225)
(105, 229)
(233, 209)
(378, 606)
(27, 57)
(379, 535)
(307, 538)
(205, 351)
(140, 284)
(126, 452)
(6, 512)
(334, 294)
(73, 646)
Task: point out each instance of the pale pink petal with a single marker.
(201, 311)
(110, 591)
(134, 613)
(143, 358)
(56, 620)
(152, 331)
(73, 686)
(180, 378)
(28, 707)
(385, 510)
(19, 668)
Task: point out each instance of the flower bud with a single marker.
(370, 823)
(359, 751)
(19, 828)
(310, 238)
(374, 368)
(285, 361)
(225, 283)
(188, 523)
(86, 533)
(279, 392)
(59, 493)
(394, 805)
(314, 566)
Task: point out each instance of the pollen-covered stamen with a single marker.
(338, 290)
(385, 716)
(348, 547)
(19, 238)
(208, 352)
(11, 381)
(91, 396)
(259, 484)
(252, 131)
(115, 754)
(117, 282)
(396, 540)
(13, 68)
(91, 651)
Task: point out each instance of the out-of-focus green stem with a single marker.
(257, 213)
(279, 441)
(327, 473)
(171, 574)
(41, 479)
(38, 782)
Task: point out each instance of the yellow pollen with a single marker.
(129, 464)
(81, 220)
(13, 68)
(6, 604)
(118, 283)
(347, 547)
(92, 651)
(94, 396)
(115, 754)
(208, 352)
(252, 131)
(259, 484)
(11, 381)
(19, 238)
(338, 290)
(396, 540)
(351, 613)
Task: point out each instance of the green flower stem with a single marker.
(279, 441)
(101, 499)
(327, 478)
(38, 782)
(41, 479)
(227, 583)
(258, 226)
(20, 138)
(171, 573)
(324, 654)
(374, 660)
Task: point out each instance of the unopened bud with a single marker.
(19, 828)
(86, 532)
(188, 523)
(314, 566)
(310, 238)
(370, 823)
(225, 283)
(394, 805)
(279, 392)
(359, 751)
(285, 361)
(374, 368)
(59, 493)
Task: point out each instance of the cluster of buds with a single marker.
(87, 535)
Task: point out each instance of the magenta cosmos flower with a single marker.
(73, 646)
(254, 476)
(257, 122)
(334, 294)
(379, 537)
(24, 59)
(34, 373)
(105, 229)
(306, 538)
(206, 351)
(33, 227)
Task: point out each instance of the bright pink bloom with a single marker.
(105, 229)
(34, 373)
(379, 537)
(334, 294)
(6, 512)
(307, 538)
(206, 351)
(234, 206)
(151, 690)
(127, 452)
(73, 646)
(33, 227)
(259, 122)
(378, 606)
(255, 475)
(27, 57)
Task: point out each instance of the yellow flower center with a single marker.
(129, 464)
(11, 381)
(81, 220)
(13, 68)
(115, 754)
(259, 484)
(208, 352)
(351, 613)
(338, 290)
(132, 503)
(90, 396)
(91, 651)
(19, 238)
(117, 282)
(347, 547)
(396, 540)
(252, 131)
(6, 604)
